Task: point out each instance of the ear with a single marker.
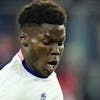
(24, 39)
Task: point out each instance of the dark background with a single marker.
(79, 71)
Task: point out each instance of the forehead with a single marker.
(53, 30)
(53, 27)
(50, 30)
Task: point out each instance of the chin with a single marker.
(47, 73)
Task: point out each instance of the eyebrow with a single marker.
(48, 36)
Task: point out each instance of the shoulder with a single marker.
(10, 68)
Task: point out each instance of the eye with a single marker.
(61, 43)
(46, 41)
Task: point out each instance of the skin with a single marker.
(43, 44)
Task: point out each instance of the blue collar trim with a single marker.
(31, 71)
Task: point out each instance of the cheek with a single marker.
(43, 50)
(40, 50)
(61, 49)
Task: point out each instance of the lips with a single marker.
(51, 66)
(52, 62)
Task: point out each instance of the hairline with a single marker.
(36, 27)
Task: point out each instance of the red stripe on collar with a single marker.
(20, 55)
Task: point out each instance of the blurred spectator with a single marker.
(6, 49)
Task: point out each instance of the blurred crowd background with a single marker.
(79, 71)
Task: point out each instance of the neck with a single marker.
(32, 71)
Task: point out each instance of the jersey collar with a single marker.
(28, 68)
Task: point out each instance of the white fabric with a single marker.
(16, 83)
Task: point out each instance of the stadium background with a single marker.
(79, 71)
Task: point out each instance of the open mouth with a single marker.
(52, 62)
(51, 66)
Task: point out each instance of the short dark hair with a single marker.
(40, 12)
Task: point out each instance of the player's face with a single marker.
(45, 48)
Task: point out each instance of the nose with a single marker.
(55, 50)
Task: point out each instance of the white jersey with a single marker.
(16, 83)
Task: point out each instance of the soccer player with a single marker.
(31, 73)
